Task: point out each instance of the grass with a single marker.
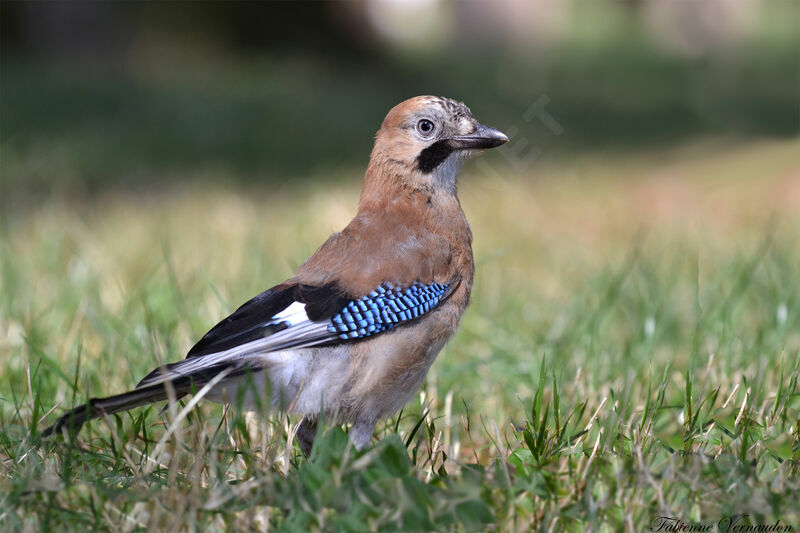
(631, 352)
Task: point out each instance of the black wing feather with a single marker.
(249, 322)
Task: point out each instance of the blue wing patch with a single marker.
(385, 308)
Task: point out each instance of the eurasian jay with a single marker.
(353, 333)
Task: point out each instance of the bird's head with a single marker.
(426, 138)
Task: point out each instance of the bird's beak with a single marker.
(483, 137)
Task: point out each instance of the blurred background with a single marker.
(139, 95)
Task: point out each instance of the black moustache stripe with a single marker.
(434, 155)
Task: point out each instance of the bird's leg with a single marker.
(305, 435)
(361, 433)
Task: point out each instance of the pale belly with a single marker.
(301, 381)
(339, 382)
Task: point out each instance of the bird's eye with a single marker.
(425, 127)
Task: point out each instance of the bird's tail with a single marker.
(98, 407)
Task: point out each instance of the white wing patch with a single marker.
(301, 332)
(293, 315)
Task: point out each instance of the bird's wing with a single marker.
(300, 316)
(285, 317)
(272, 311)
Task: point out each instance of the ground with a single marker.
(631, 352)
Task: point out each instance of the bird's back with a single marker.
(408, 235)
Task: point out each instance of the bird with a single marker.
(351, 335)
